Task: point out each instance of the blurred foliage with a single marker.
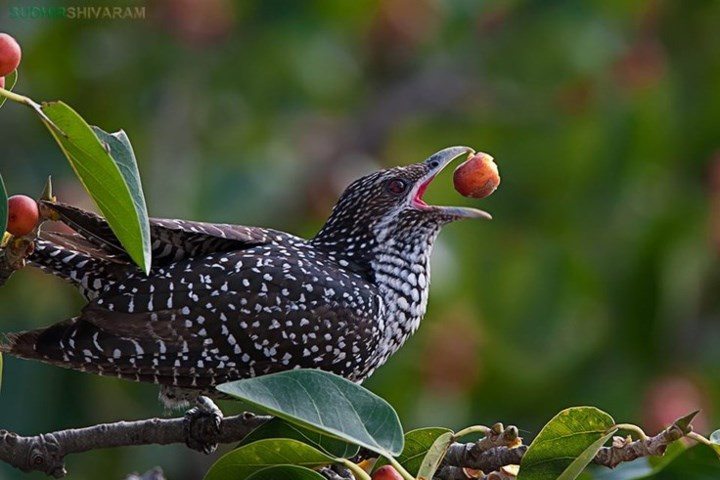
(595, 284)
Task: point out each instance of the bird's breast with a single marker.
(403, 281)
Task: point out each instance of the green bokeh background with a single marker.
(597, 281)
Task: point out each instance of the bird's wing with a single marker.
(171, 240)
(199, 326)
(75, 242)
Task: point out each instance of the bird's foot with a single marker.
(202, 425)
(336, 472)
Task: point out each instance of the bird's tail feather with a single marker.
(92, 227)
(44, 344)
(91, 274)
(81, 345)
(64, 345)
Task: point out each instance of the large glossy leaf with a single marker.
(417, 444)
(248, 459)
(122, 152)
(572, 434)
(694, 463)
(286, 472)
(434, 456)
(327, 403)
(106, 168)
(10, 81)
(279, 428)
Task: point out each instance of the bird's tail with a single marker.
(65, 344)
(44, 344)
(79, 344)
(75, 344)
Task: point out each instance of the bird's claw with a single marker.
(202, 425)
(336, 472)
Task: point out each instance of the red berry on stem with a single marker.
(10, 54)
(23, 215)
(386, 472)
(477, 177)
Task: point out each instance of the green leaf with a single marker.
(694, 463)
(3, 207)
(279, 428)
(106, 167)
(286, 472)
(327, 403)
(571, 434)
(248, 459)
(417, 444)
(577, 466)
(434, 456)
(10, 82)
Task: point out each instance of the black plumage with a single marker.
(224, 302)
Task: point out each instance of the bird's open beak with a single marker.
(436, 163)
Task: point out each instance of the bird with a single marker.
(225, 302)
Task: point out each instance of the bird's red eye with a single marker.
(396, 186)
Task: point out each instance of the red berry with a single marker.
(10, 54)
(477, 177)
(386, 472)
(23, 215)
(2, 82)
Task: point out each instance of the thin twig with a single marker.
(46, 452)
(13, 255)
(623, 450)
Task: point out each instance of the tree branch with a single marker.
(468, 456)
(13, 252)
(500, 449)
(46, 452)
(624, 450)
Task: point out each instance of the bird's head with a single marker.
(389, 202)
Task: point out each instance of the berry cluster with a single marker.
(23, 214)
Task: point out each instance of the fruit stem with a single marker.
(700, 439)
(27, 101)
(14, 96)
(357, 471)
(632, 428)
(401, 470)
(474, 429)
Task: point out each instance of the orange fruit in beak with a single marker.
(477, 177)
